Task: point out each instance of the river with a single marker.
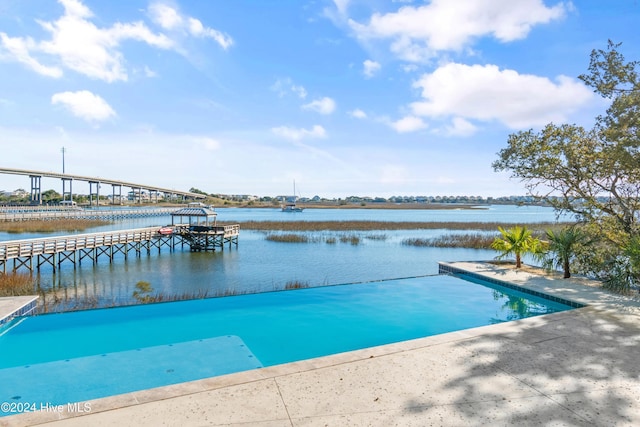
(259, 265)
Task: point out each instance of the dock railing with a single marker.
(74, 248)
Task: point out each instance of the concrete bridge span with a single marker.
(94, 186)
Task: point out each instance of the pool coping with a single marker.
(579, 290)
(12, 307)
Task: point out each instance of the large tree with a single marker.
(593, 173)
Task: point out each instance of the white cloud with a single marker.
(283, 86)
(76, 8)
(417, 33)
(484, 92)
(294, 134)
(165, 16)
(408, 124)
(198, 30)
(77, 43)
(84, 104)
(461, 127)
(17, 49)
(358, 114)
(370, 68)
(323, 106)
(87, 49)
(170, 19)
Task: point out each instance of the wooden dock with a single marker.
(20, 214)
(32, 254)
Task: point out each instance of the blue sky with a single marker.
(346, 97)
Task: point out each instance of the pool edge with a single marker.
(591, 297)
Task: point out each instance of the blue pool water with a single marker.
(78, 356)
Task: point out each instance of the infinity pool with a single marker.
(72, 357)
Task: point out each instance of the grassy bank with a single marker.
(51, 226)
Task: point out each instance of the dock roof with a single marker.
(195, 211)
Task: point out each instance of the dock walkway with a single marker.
(32, 254)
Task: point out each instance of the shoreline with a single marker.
(391, 206)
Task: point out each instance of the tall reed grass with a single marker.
(353, 239)
(16, 284)
(295, 284)
(469, 241)
(350, 238)
(288, 238)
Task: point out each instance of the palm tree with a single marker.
(517, 241)
(562, 246)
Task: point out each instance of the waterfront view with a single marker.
(259, 264)
(400, 188)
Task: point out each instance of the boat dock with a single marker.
(32, 254)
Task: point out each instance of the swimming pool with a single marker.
(78, 356)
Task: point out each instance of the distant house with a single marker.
(16, 193)
(136, 195)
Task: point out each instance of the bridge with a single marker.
(94, 186)
(34, 253)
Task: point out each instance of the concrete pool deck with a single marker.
(577, 368)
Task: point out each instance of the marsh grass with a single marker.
(376, 237)
(50, 226)
(292, 232)
(382, 225)
(16, 284)
(288, 238)
(350, 238)
(295, 284)
(469, 241)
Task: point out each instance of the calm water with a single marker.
(154, 345)
(261, 265)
